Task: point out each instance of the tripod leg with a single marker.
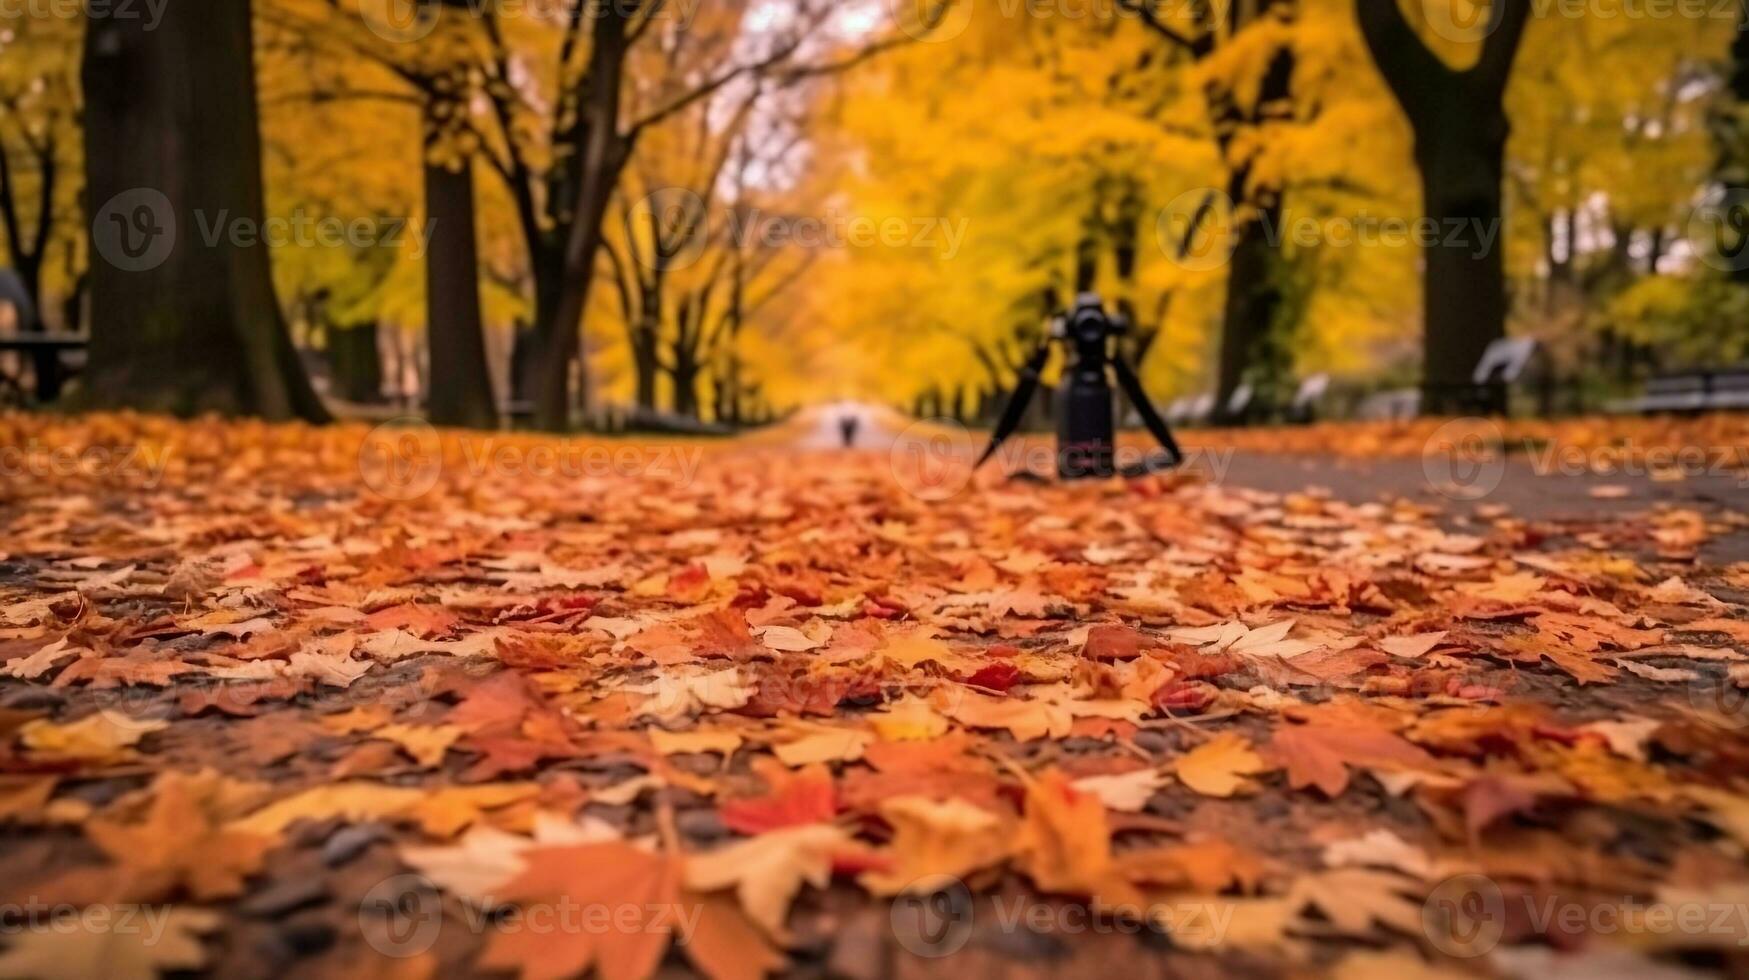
(1024, 388)
(1132, 386)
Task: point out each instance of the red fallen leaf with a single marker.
(690, 583)
(805, 594)
(996, 677)
(156, 669)
(1193, 666)
(528, 652)
(881, 607)
(804, 798)
(550, 608)
(750, 597)
(241, 700)
(496, 705)
(1334, 665)
(501, 756)
(725, 632)
(1177, 695)
(859, 860)
(424, 621)
(1002, 651)
(1490, 798)
(1112, 642)
(785, 688)
(1319, 755)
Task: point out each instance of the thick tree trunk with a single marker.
(686, 372)
(183, 316)
(355, 361)
(1253, 297)
(1730, 133)
(1253, 287)
(30, 273)
(1460, 127)
(604, 155)
(461, 386)
(645, 367)
(1462, 164)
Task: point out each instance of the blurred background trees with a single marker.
(547, 209)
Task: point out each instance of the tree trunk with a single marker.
(1253, 296)
(183, 316)
(1459, 122)
(461, 386)
(355, 361)
(604, 154)
(645, 366)
(686, 372)
(1465, 289)
(1730, 134)
(1253, 289)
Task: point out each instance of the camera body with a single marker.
(1085, 409)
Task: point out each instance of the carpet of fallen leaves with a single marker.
(1719, 440)
(277, 701)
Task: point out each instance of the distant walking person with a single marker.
(847, 426)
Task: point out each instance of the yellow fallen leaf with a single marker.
(935, 842)
(104, 945)
(767, 871)
(834, 745)
(102, 737)
(426, 744)
(1126, 792)
(1219, 766)
(909, 720)
(442, 813)
(702, 740)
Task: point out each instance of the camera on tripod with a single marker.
(1085, 408)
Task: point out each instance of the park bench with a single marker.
(52, 358)
(1308, 400)
(1508, 364)
(1390, 406)
(1691, 390)
(1243, 406)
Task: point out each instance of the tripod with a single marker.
(1086, 429)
